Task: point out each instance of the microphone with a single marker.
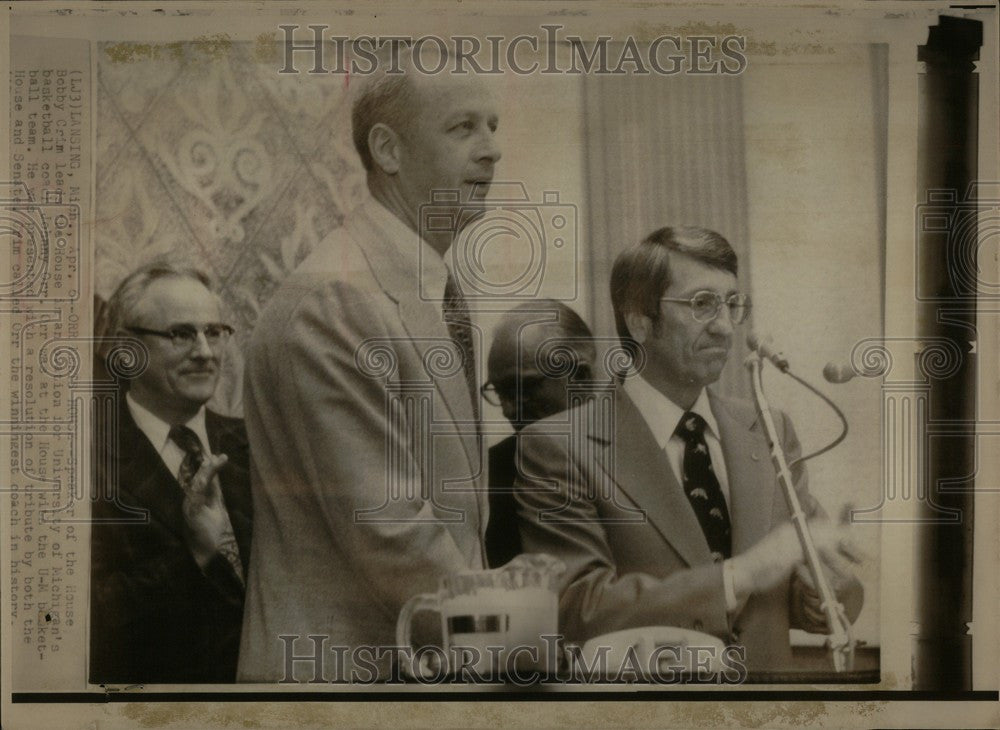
(832, 372)
(765, 348)
(838, 372)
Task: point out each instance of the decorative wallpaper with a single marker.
(210, 157)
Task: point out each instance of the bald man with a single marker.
(355, 510)
(522, 368)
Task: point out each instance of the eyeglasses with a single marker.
(705, 306)
(527, 384)
(522, 388)
(184, 336)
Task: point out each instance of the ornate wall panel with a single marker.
(209, 157)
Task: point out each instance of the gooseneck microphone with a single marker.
(837, 373)
(840, 642)
(766, 349)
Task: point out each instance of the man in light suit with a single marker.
(361, 354)
(172, 511)
(670, 514)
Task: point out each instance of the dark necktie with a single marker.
(702, 487)
(456, 316)
(194, 455)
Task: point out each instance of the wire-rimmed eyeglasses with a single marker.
(705, 305)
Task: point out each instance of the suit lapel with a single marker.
(226, 436)
(422, 320)
(748, 469)
(642, 471)
(155, 488)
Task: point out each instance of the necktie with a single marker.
(194, 455)
(702, 487)
(456, 316)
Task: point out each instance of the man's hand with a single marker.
(205, 515)
(811, 601)
(773, 559)
(839, 576)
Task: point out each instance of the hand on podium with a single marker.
(779, 553)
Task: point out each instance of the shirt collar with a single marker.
(415, 253)
(661, 414)
(158, 431)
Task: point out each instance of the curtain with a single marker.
(663, 151)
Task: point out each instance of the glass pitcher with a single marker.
(493, 622)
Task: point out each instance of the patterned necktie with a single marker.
(702, 487)
(456, 316)
(194, 455)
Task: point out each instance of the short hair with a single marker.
(386, 98)
(568, 325)
(641, 273)
(125, 299)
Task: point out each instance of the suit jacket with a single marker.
(503, 541)
(155, 616)
(360, 502)
(611, 508)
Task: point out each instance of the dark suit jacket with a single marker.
(610, 507)
(503, 541)
(155, 616)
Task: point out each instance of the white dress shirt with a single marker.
(662, 416)
(158, 432)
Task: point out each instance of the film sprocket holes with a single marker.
(506, 246)
(44, 241)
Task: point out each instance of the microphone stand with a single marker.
(839, 641)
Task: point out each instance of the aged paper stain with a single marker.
(212, 47)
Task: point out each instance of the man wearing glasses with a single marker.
(539, 348)
(172, 510)
(670, 514)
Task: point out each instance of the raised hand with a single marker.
(205, 517)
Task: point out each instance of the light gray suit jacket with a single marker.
(609, 505)
(359, 503)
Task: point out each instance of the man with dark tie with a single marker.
(539, 348)
(361, 394)
(668, 511)
(172, 512)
